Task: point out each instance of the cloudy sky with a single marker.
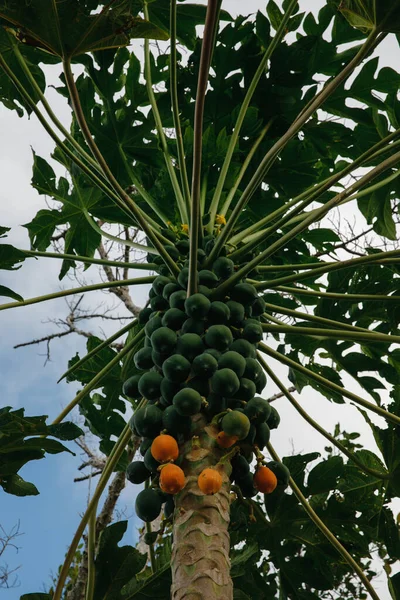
(49, 520)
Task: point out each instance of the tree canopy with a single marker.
(300, 120)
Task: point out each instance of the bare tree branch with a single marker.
(121, 292)
(8, 578)
(280, 394)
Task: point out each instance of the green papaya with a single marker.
(176, 368)
(143, 359)
(149, 385)
(148, 505)
(197, 306)
(219, 337)
(235, 423)
(137, 472)
(130, 387)
(232, 360)
(225, 382)
(187, 402)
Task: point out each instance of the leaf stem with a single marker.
(338, 296)
(244, 166)
(327, 532)
(329, 384)
(117, 240)
(308, 317)
(204, 66)
(93, 383)
(153, 562)
(308, 220)
(98, 348)
(78, 290)
(182, 207)
(314, 192)
(91, 547)
(49, 110)
(75, 100)
(94, 261)
(271, 155)
(316, 425)
(328, 268)
(175, 107)
(112, 461)
(242, 113)
(73, 157)
(333, 333)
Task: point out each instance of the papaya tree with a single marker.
(226, 154)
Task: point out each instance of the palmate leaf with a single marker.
(8, 293)
(24, 439)
(68, 29)
(115, 565)
(9, 94)
(81, 238)
(370, 14)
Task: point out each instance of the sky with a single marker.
(48, 521)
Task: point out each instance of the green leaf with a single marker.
(115, 565)
(5, 291)
(10, 256)
(377, 209)
(18, 445)
(9, 95)
(15, 485)
(323, 477)
(188, 16)
(394, 586)
(3, 231)
(69, 29)
(274, 14)
(80, 238)
(37, 596)
(371, 14)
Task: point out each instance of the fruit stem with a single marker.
(227, 457)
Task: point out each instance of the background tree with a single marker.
(243, 116)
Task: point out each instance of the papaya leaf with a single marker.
(9, 94)
(115, 564)
(24, 439)
(372, 14)
(10, 256)
(5, 291)
(68, 29)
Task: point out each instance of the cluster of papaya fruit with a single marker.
(199, 356)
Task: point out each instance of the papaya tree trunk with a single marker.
(200, 557)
